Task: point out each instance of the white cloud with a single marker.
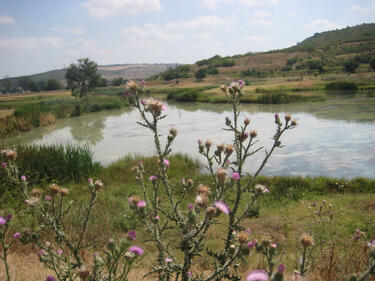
(363, 10)
(261, 14)
(259, 22)
(5, 19)
(323, 25)
(72, 31)
(28, 43)
(213, 3)
(107, 8)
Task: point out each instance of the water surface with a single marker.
(334, 138)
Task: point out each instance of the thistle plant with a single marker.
(6, 245)
(162, 209)
(64, 255)
(371, 268)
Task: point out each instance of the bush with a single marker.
(372, 63)
(200, 74)
(341, 86)
(53, 84)
(350, 66)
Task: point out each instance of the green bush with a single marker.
(341, 86)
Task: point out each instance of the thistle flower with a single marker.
(246, 121)
(208, 144)
(10, 154)
(235, 176)
(253, 134)
(131, 85)
(23, 178)
(261, 188)
(59, 251)
(64, 192)
(222, 207)
(294, 123)
(155, 107)
(16, 235)
(173, 131)
(287, 117)
(166, 163)
(50, 278)
(2, 221)
(41, 253)
(211, 212)
(221, 175)
(136, 250)
(191, 207)
(4, 165)
(203, 189)
(306, 240)
(257, 275)
(98, 184)
(54, 188)
(143, 102)
(168, 260)
(141, 204)
(8, 217)
(36, 192)
(281, 268)
(229, 149)
(153, 178)
(242, 237)
(201, 201)
(223, 88)
(132, 235)
(250, 245)
(189, 182)
(47, 198)
(83, 272)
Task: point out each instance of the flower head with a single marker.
(50, 278)
(136, 250)
(281, 268)
(23, 178)
(257, 275)
(2, 221)
(153, 178)
(166, 163)
(59, 251)
(8, 217)
(235, 176)
(47, 198)
(141, 204)
(4, 165)
(306, 240)
(168, 260)
(16, 235)
(132, 235)
(222, 207)
(191, 207)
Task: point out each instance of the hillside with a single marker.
(324, 52)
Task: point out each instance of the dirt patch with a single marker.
(47, 119)
(27, 95)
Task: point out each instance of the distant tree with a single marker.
(7, 84)
(117, 81)
(315, 65)
(42, 85)
(200, 74)
(82, 76)
(102, 82)
(23, 82)
(372, 63)
(33, 86)
(350, 66)
(53, 84)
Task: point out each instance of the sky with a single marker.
(42, 35)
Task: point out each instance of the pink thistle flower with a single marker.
(164, 107)
(143, 83)
(4, 165)
(91, 180)
(168, 260)
(222, 207)
(59, 251)
(281, 269)
(274, 245)
(257, 275)
(250, 245)
(23, 178)
(153, 178)
(136, 250)
(157, 218)
(235, 176)
(47, 198)
(16, 235)
(132, 235)
(8, 217)
(130, 199)
(141, 204)
(143, 102)
(41, 253)
(27, 201)
(166, 163)
(189, 274)
(50, 278)
(191, 207)
(2, 221)
(248, 230)
(127, 94)
(241, 83)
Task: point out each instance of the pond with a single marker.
(334, 138)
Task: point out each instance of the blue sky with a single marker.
(41, 35)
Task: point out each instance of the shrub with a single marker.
(350, 66)
(342, 86)
(200, 74)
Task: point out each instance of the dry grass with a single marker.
(33, 94)
(6, 112)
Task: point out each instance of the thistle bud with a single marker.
(229, 149)
(287, 117)
(306, 240)
(294, 123)
(111, 245)
(189, 183)
(253, 134)
(208, 144)
(227, 121)
(64, 192)
(223, 88)
(246, 121)
(173, 131)
(221, 175)
(211, 212)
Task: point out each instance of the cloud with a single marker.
(28, 43)
(363, 10)
(323, 25)
(5, 19)
(107, 8)
(213, 3)
(198, 23)
(261, 14)
(72, 31)
(259, 22)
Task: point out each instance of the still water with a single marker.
(334, 138)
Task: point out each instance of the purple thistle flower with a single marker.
(281, 269)
(235, 176)
(257, 275)
(189, 274)
(50, 278)
(8, 217)
(136, 250)
(157, 218)
(168, 260)
(141, 204)
(191, 207)
(241, 83)
(2, 221)
(250, 245)
(4, 165)
(41, 253)
(222, 207)
(274, 245)
(153, 178)
(90, 180)
(132, 235)
(143, 83)
(23, 178)
(16, 235)
(143, 102)
(47, 198)
(127, 94)
(59, 251)
(166, 163)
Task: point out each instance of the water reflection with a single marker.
(335, 138)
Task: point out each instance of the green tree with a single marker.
(33, 86)
(103, 82)
(7, 84)
(53, 84)
(350, 66)
(82, 76)
(200, 74)
(117, 81)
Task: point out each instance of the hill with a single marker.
(323, 52)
